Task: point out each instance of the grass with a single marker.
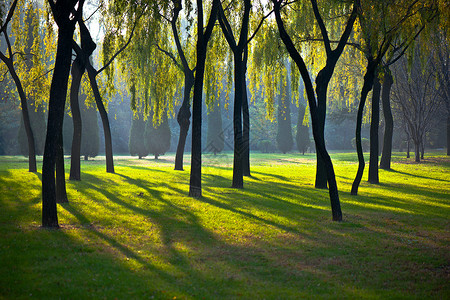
(136, 234)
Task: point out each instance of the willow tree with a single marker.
(318, 106)
(203, 36)
(381, 22)
(65, 14)
(26, 61)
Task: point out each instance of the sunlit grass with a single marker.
(136, 234)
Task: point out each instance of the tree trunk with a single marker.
(407, 149)
(319, 141)
(374, 126)
(368, 83)
(246, 120)
(58, 93)
(25, 115)
(183, 119)
(417, 151)
(61, 194)
(238, 180)
(77, 73)
(105, 120)
(245, 133)
(422, 149)
(385, 162)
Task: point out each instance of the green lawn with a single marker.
(136, 234)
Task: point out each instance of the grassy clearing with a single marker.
(135, 234)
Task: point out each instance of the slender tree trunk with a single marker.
(422, 149)
(25, 115)
(407, 149)
(321, 91)
(105, 120)
(368, 83)
(77, 73)
(238, 180)
(385, 162)
(183, 119)
(245, 119)
(246, 133)
(58, 93)
(374, 126)
(61, 194)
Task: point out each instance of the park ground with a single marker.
(136, 234)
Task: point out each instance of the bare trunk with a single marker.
(385, 162)
(77, 73)
(374, 126)
(368, 83)
(183, 119)
(105, 120)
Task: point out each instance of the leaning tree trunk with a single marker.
(374, 126)
(61, 194)
(25, 115)
(385, 162)
(367, 86)
(105, 120)
(183, 119)
(77, 73)
(322, 80)
(58, 93)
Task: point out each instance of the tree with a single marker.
(284, 135)
(37, 120)
(65, 14)
(416, 97)
(137, 137)
(374, 124)
(317, 109)
(377, 40)
(9, 62)
(203, 35)
(239, 50)
(78, 69)
(157, 136)
(90, 137)
(385, 161)
(302, 136)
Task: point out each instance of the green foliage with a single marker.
(265, 146)
(136, 234)
(136, 144)
(157, 136)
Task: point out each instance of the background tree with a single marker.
(215, 138)
(284, 135)
(37, 120)
(416, 97)
(137, 137)
(302, 136)
(90, 137)
(157, 136)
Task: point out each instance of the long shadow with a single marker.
(415, 175)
